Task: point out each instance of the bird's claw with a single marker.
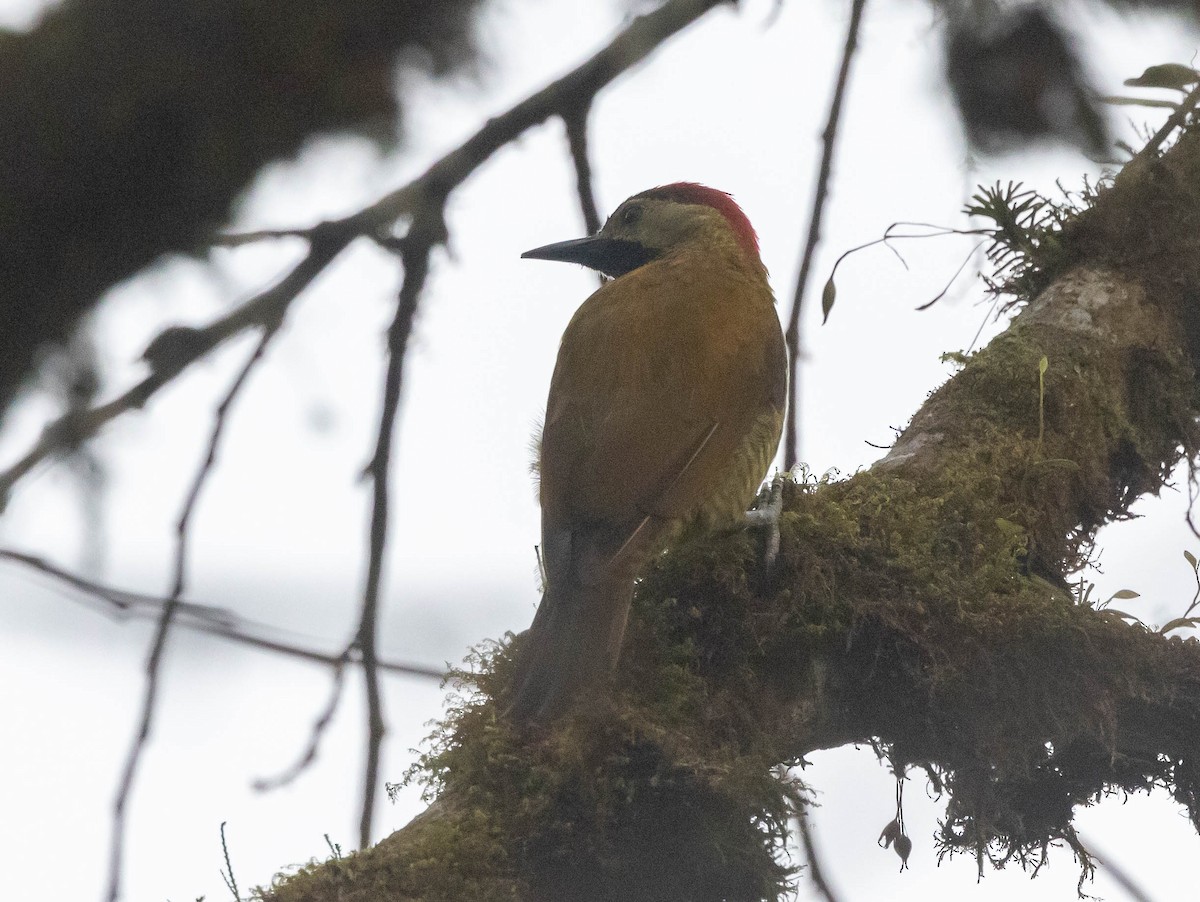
(766, 516)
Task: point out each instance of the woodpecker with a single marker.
(665, 408)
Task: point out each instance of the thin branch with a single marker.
(815, 871)
(1119, 874)
(1174, 121)
(577, 141)
(954, 278)
(399, 668)
(890, 235)
(154, 660)
(829, 138)
(239, 239)
(427, 231)
(121, 603)
(172, 352)
(213, 621)
(324, 719)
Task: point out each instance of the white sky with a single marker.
(280, 533)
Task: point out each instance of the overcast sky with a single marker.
(736, 102)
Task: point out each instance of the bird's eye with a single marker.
(631, 215)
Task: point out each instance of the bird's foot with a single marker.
(766, 516)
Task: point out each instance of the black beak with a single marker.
(611, 256)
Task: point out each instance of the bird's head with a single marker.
(654, 223)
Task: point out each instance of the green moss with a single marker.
(452, 858)
(617, 789)
(969, 662)
(914, 583)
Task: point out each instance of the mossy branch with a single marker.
(920, 605)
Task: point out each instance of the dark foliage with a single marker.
(1016, 77)
(130, 126)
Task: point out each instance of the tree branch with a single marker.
(920, 606)
(318, 731)
(815, 872)
(820, 194)
(1186, 107)
(120, 602)
(577, 142)
(203, 618)
(427, 231)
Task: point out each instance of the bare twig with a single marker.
(173, 351)
(427, 231)
(317, 657)
(120, 602)
(238, 239)
(202, 618)
(319, 727)
(821, 193)
(577, 141)
(154, 660)
(815, 872)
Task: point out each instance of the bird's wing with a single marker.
(631, 542)
(655, 390)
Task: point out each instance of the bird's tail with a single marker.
(573, 645)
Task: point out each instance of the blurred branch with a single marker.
(815, 872)
(306, 654)
(577, 141)
(820, 194)
(154, 661)
(319, 727)
(177, 348)
(207, 619)
(241, 239)
(1119, 873)
(120, 602)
